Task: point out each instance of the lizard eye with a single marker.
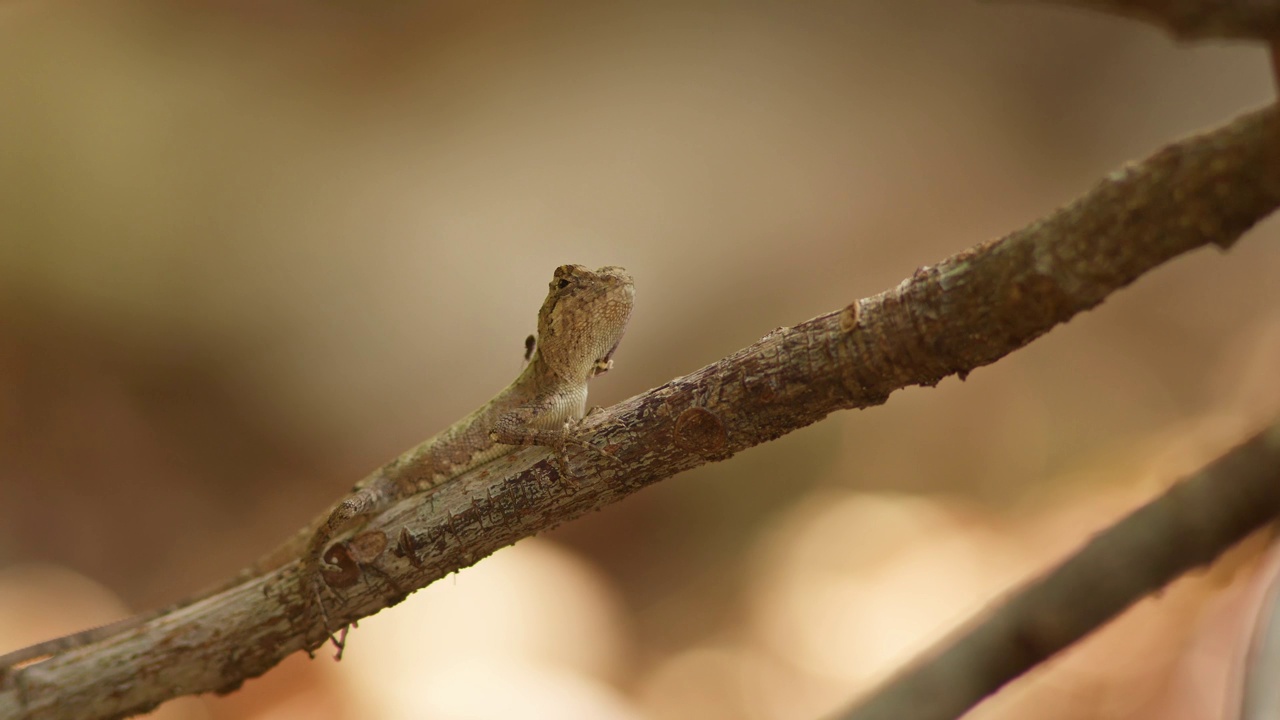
(562, 284)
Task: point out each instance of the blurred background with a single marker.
(251, 250)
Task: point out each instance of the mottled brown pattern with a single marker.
(579, 326)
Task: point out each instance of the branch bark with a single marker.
(965, 312)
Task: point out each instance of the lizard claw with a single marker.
(340, 640)
(567, 440)
(336, 567)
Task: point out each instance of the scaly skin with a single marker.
(579, 326)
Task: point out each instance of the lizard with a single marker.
(580, 325)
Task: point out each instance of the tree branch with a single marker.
(1189, 526)
(965, 312)
(1197, 19)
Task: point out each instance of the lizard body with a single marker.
(579, 326)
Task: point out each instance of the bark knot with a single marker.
(699, 430)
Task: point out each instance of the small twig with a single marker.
(1190, 525)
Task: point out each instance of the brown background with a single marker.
(250, 250)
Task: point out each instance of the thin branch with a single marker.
(966, 312)
(1189, 526)
(1197, 19)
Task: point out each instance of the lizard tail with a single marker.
(41, 650)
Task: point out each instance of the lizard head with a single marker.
(583, 318)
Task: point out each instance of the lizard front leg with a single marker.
(533, 424)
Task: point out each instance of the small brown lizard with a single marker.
(579, 327)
